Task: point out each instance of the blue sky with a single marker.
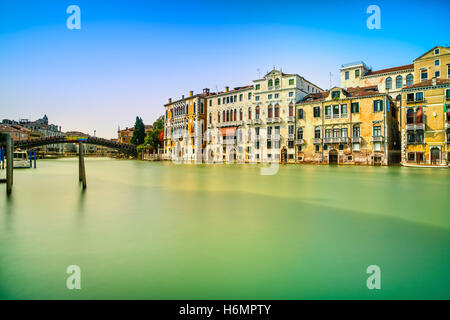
(130, 56)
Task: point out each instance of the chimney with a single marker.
(170, 100)
(433, 81)
(227, 88)
(191, 93)
(206, 91)
(182, 96)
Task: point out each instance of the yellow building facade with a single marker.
(424, 119)
(353, 126)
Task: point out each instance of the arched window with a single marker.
(389, 83)
(235, 115)
(249, 113)
(257, 112)
(291, 110)
(240, 114)
(409, 80)
(228, 115)
(277, 111)
(277, 82)
(398, 82)
(210, 118)
(269, 111)
(224, 118)
(270, 83)
(218, 116)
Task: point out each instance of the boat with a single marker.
(21, 159)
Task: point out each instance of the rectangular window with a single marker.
(291, 94)
(437, 74)
(377, 105)
(347, 75)
(300, 112)
(419, 96)
(277, 95)
(357, 73)
(355, 107)
(335, 94)
(241, 97)
(377, 131)
(437, 62)
(210, 103)
(344, 110)
(436, 51)
(424, 75)
(257, 98)
(317, 148)
(410, 97)
(447, 94)
(249, 96)
(290, 145)
(327, 112)
(218, 101)
(316, 112)
(300, 133)
(257, 87)
(448, 71)
(269, 97)
(317, 133)
(291, 129)
(356, 131)
(291, 82)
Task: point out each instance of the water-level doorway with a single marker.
(333, 157)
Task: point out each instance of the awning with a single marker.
(229, 131)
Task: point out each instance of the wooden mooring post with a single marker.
(9, 163)
(82, 168)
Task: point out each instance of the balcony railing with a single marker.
(412, 101)
(299, 141)
(275, 136)
(317, 140)
(276, 119)
(291, 119)
(256, 121)
(328, 140)
(270, 120)
(341, 140)
(356, 139)
(415, 126)
(290, 136)
(377, 139)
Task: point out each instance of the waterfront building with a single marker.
(229, 118)
(347, 126)
(390, 80)
(184, 126)
(125, 135)
(425, 111)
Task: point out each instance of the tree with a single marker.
(139, 132)
(153, 138)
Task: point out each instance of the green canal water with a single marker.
(147, 230)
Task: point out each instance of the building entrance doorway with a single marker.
(435, 155)
(333, 157)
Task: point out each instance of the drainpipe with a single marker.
(323, 129)
(385, 130)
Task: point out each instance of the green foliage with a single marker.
(139, 132)
(152, 140)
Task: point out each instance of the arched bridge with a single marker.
(122, 147)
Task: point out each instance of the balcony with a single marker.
(299, 141)
(412, 101)
(415, 126)
(269, 120)
(275, 136)
(290, 136)
(256, 121)
(276, 119)
(291, 119)
(377, 139)
(317, 140)
(356, 139)
(341, 140)
(328, 140)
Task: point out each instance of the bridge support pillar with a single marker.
(9, 163)
(81, 169)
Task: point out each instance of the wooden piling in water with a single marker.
(82, 168)
(9, 163)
